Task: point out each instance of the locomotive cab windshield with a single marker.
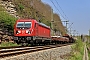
(23, 25)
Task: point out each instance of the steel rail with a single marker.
(21, 50)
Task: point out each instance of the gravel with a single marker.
(49, 54)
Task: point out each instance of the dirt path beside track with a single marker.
(85, 56)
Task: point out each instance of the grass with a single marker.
(8, 44)
(78, 50)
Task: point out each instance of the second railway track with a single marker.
(5, 52)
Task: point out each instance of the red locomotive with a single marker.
(30, 31)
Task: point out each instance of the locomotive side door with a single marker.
(36, 28)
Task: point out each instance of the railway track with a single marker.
(11, 51)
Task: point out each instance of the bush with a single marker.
(7, 44)
(6, 20)
(78, 50)
(21, 7)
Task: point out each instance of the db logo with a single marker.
(23, 32)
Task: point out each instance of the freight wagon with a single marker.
(59, 40)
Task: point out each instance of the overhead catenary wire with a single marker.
(58, 10)
(64, 17)
(61, 9)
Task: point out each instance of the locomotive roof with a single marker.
(44, 25)
(25, 19)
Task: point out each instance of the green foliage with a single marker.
(47, 22)
(1, 8)
(21, 7)
(78, 50)
(7, 44)
(8, 21)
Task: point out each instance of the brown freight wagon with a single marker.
(59, 39)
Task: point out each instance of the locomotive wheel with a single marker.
(16, 41)
(24, 44)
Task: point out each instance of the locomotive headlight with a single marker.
(28, 31)
(17, 32)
